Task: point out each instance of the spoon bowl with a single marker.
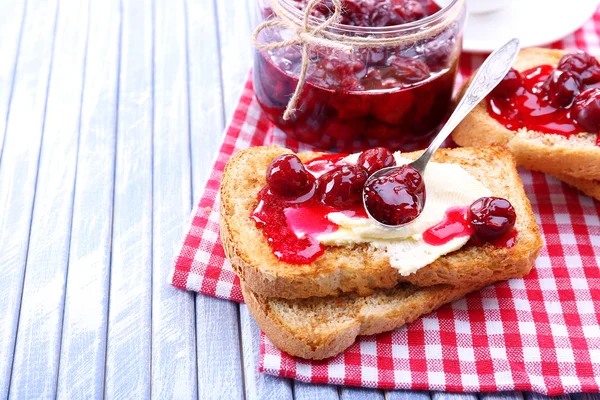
(491, 73)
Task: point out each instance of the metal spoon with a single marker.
(492, 71)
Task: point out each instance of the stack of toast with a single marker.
(574, 160)
(317, 310)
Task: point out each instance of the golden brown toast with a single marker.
(322, 327)
(589, 187)
(577, 158)
(363, 269)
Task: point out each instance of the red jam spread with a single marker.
(291, 222)
(270, 216)
(455, 224)
(327, 162)
(293, 207)
(392, 96)
(459, 222)
(563, 100)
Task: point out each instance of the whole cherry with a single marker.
(396, 198)
(562, 87)
(342, 186)
(582, 64)
(286, 176)
(586, 110)
(374, 159)
(408, 10)
(509, 85)
(408, 70)
(491, 217)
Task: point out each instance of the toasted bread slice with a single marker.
(363, 269)
(322, 327)
(576, 156)
(589, 187)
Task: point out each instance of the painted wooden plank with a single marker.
(35, 367)
(236, 49)
(206, 98)
(236, 54)
(82, 358)
(220, 374)
(129, 319)
(537, 396)
(11, 22)
(18, 170)
(453, 396)
(406, 395)
(219, 362)
(174, 371)
(307, 391)
(351, 393)
(586, 396)
(501, 396)
(259, 386)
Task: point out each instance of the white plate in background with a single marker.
(534, 22)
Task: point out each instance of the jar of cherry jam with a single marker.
(395, 96)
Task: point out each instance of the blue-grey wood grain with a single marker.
(501, 396)
(453, 396)
(308, 391)
(129, 338)
(586, 396)
(18, 170)
(537, 396)
(236, 49)
(217, 322)
(11, 22)
(351, 393)
(259, 386)
(407, 395)
(35, 366)
(174, 373)
(83, 350)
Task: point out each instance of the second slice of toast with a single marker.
(575, 159)
(363, 269)
(322, 327)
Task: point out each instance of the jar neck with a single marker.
(447, 14)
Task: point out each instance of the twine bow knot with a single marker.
(304, 34)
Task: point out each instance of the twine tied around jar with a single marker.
(305, 34)
(308, 35)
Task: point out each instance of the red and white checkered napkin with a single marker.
(540, 333)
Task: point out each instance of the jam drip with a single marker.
(454, 225)
(563, 100)
(457, 223)
(325, 163)
(276, 216)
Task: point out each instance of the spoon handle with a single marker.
(492, 71)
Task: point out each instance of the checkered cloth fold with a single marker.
(540, 333)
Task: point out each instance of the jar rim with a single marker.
(314, 21)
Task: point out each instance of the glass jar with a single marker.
(396, 96)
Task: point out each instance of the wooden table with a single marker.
(110, 114)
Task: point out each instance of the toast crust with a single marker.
(363, 269)
(320, 328)
(589, 187)
(576, 156)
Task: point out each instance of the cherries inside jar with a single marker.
(396, 96)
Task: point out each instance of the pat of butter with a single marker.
(447, 185)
